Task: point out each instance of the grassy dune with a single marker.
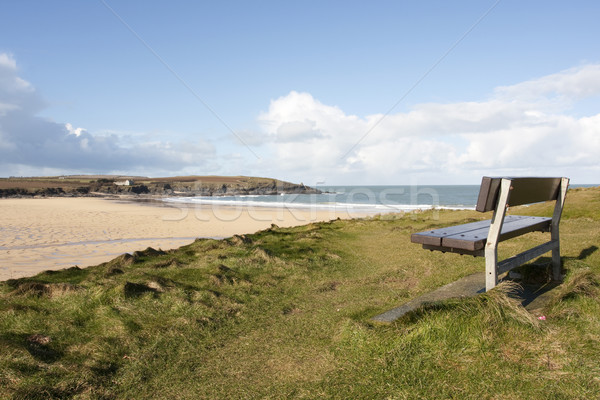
(285, 313)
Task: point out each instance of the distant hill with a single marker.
(98, 185)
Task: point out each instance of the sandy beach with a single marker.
(54, 233)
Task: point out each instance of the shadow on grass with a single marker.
(585, 253)
(532, 292)
(35, 392)
(537, 276)
(134, 290)
(39, 346)
(44, 353)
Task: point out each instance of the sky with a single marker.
(319, 92)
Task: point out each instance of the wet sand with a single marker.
(56, 233)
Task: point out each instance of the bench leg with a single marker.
(556, 267)
(554, 233)
(491, 246)
(491, 268)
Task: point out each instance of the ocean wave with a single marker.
(242, 201)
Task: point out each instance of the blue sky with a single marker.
(387, 92)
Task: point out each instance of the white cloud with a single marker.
(575, 83)
(31, 143)
(297, 131)
(524, 129)
(7, 61)
(73, 131)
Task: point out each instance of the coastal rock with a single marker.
(74, 186)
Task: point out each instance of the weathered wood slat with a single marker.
(514, 225)
(478, 253)
(524, 191)
(522, 258)
(473, 236)
(488, 194)
(434, 237)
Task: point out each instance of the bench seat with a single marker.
(472, 237)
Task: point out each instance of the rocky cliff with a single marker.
(176, 186)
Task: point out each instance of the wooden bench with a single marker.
(481, 238)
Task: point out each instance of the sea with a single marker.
(356, 199)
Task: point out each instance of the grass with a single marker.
(285, 313)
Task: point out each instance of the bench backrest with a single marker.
(524, 191)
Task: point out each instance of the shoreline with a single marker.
(38, 234)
